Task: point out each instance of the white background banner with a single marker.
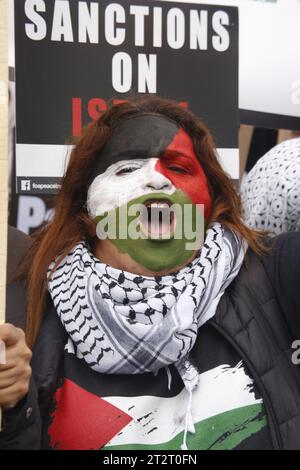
(269, 58)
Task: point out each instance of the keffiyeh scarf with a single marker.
(122, 323)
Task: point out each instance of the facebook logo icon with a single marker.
(25, 185)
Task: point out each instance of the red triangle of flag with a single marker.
(82, 420)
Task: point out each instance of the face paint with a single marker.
(166, 172)
(138, 137)
(180, 165)
(125, 181)
(156, 254)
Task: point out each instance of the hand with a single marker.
(16, 372)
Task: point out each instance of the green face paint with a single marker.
(146, 158)
(123, 227)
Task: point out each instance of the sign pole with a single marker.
(3, 157)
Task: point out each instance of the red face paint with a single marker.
(180, 165)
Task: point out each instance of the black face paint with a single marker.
(140, 136)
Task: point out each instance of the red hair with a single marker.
(71, 222)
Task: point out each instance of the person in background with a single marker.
(262, 141)
(153, 343)
(270, 192)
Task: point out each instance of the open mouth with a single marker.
(158, 219)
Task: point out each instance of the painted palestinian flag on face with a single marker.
(149, 162)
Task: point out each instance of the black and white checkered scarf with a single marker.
(122, 323)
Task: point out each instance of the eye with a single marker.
(178, 169)
(125, 170)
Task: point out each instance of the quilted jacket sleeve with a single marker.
(283, 268)
(21, 426)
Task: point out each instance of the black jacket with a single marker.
(17, 246)
(258, 315)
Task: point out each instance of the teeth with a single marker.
(159, 205)
(159, 219)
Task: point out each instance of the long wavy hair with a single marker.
(71, 222)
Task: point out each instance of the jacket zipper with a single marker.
(275, 435)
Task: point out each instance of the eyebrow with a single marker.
(130, 154)
(175, 153)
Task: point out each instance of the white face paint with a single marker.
(124, 181)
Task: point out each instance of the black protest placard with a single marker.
(73, 56)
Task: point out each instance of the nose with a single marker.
(156, 180)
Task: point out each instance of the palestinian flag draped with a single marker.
(118, 412)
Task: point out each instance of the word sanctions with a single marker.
(130, 25)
